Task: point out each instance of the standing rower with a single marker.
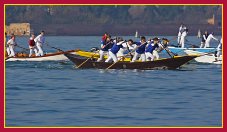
(32, 46)
(164, 46)
(183, 38)
(105, 46)
(208, 40)
(6, 45)
(150, 48)
(140, 50)
(204, 38)
(127, 48)
(113, 51)
(219, 50)
(181, 30)
(40, 40)
(12, 43)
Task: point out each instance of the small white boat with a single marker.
(205, 57)
(57, 56)
(181, 50)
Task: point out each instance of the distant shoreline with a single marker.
(143, 30)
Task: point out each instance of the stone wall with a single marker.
(18, 29)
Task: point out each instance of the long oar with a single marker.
(175, 37)
(54, 47)
(124, 56)
(92, 56)
(22, 47)
(114, 63)
(86, 60)
(169, 52)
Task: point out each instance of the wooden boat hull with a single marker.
(58, 56)
(169, 63)
(209, 58)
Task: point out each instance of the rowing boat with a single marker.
(167, 63)
(181, 50)
(57, 56)
(95, 55)
(205, 58)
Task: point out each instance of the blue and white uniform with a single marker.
(40, 40)
(140, 52)
(149, 51)
(126, 49)
(113, 52)
(105, 46)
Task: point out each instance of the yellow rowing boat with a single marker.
(95, 55)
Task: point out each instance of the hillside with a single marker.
(123, 20)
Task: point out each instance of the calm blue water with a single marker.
(57, 94)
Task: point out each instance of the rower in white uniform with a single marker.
(32, 46)
(219, 50)
(6, 45)
(12, 43)
(113, 51)
(140, 50)
(208, 40)
(106, 44)
(183, 38)
(152, 46)
(204, 38)
(181, 30)
(127, 48)
(40, 40)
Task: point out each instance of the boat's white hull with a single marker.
(179, 50)
(205, 58)
(49, 57)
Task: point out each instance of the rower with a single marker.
(12, 43)
(105, 46)
(208, 40)
(219, 50)
(140, 50)
(40, 40)
(104, 37)
(127, 48)
(113, 51)
(204, 38)
(183, 37)
(150, 48)
(32, 46)
(6, 45)
(164, 46)
(181, 30)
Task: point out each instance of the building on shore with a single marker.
(18, 29)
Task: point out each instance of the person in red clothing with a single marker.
(104, 36)
(32, 46)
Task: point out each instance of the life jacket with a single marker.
(31, 42)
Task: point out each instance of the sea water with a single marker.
(58, 94)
